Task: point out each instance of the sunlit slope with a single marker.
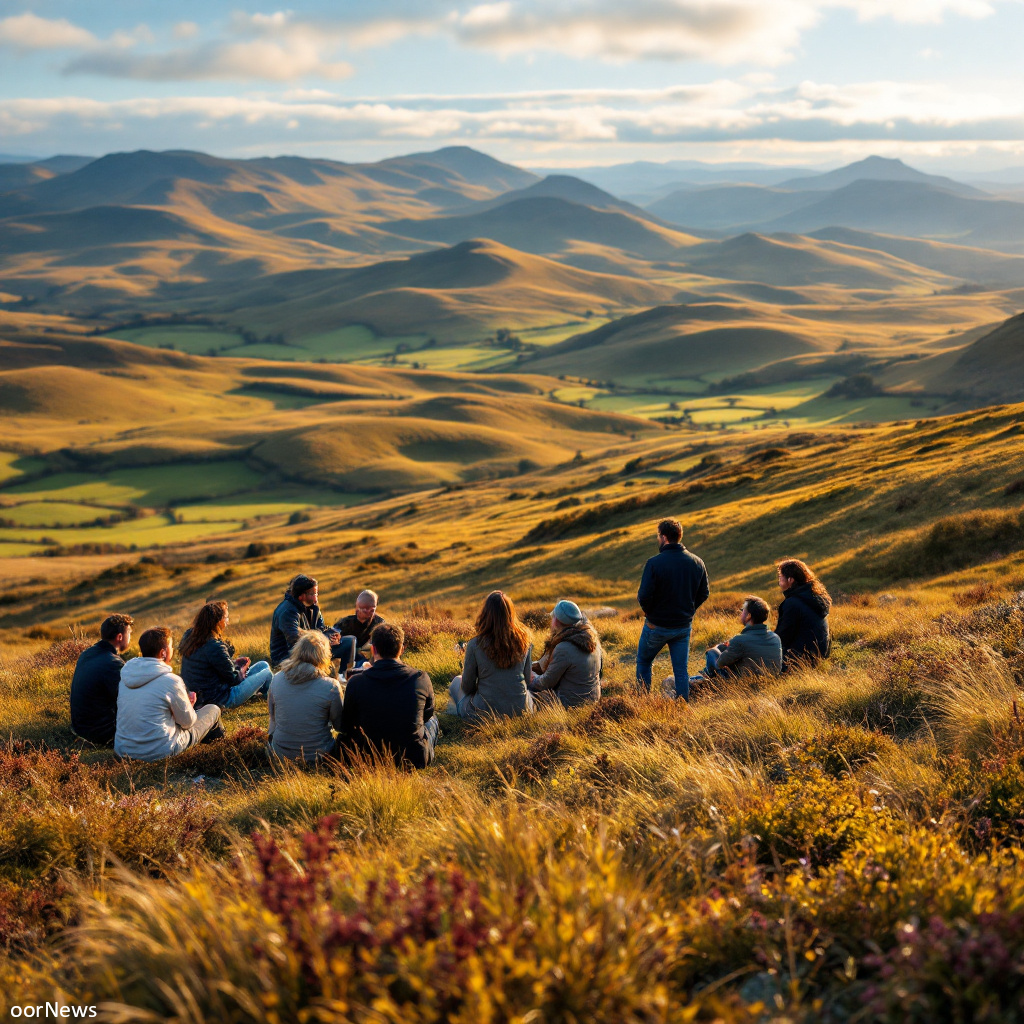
(792, 261)
(989, 369)
(464, 288)
(680, 341)
(932, 500)
(548, 225)
(93, 405)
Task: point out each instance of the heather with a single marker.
(841, 843)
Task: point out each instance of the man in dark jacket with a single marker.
(298, 611)
(389, 707)
(674, 585)
(94, 684)
(355, 630)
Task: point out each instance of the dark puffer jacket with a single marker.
(211, 672)
(803, 626)
(290, 618)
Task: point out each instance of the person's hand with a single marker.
(243, 671)
(192, 697)
(333, 635)
(242, 662)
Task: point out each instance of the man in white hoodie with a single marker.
(155, 717)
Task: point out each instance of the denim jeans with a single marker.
(432, 729)
(711, 662)
(257, 678)
(652, 640)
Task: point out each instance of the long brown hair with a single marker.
(800, 572)
(504, 639)
(207, 623)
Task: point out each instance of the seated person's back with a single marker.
(304, 702)
(155, 717)
(389, 707)
(803, 615)
(570, 666)
(755, 649)
(95, 682)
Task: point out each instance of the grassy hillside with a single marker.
(767, 852)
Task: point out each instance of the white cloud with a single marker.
(30, 32)
(724, 111)
(269, 47)
(186, 30)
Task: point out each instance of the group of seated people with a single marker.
(343, 689)
(335, 689)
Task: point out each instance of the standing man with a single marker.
(298, 611)
(355, 631)
(674, 585)
(94, 684)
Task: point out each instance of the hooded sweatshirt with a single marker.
(154, 713)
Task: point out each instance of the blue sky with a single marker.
(542, 82)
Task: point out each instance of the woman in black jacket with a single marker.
(208, 667)
(803, 615)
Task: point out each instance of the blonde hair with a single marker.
(312, 648)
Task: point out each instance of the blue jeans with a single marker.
(652, 640)
(257, 678)
(711, 662)
(432, 729)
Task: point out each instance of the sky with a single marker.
(552, 83)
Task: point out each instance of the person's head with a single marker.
(158, 643)
(311, 648)
(753, 610)
(504, 639)
(670, 531)
(304, 589)
(387, 641)
(794, 573)
(117, 630)
(565, 614)
(210, 621)
(366, 606)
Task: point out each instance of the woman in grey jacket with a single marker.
(570, 667)
(304, 701)
(497, 668)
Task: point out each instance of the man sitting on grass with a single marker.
(755, 649)
(389, 707)
(155, 717)
(355, 631)
(94, 684)
(298, 611)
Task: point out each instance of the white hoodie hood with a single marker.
(154, 713)
(140, 671)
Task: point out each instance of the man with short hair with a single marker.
(755, 649)
(155, 715)
(355, 631)
(674, 585)
(298, 610)
(389, 707)
(94, 684)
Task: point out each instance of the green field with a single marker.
(147, 486)
(195, 340)
(13, 465)
(51, 513)
(148, 531)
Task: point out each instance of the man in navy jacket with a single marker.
(674, 585)
(298, 610)
(94, 684)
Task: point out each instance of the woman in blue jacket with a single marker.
(208, 667)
